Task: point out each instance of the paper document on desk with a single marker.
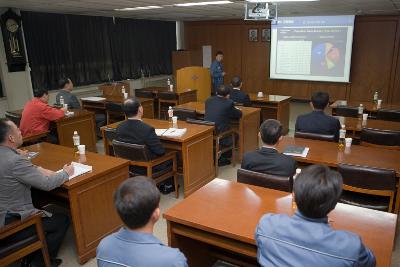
(160, 132)
(93, 98)
(171, 132)
(79, 169)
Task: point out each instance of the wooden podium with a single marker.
(112, 92)
(194, 78)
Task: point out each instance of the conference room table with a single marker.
(355, 125)
(89, 197)
(328, 153)
(369, 107)
(98, 105)
(195, 146)
(82, 121)
(273, 107)
(247, 127)
(219, 221)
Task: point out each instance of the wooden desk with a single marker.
(273, 107)
(369, 107)
(219, 221)
(89, 196)
(355, 125)
(82, 121)
(183, 97)
(327, 153)
(100, 106)
(247, 128)
(196, 147)
(113, 91)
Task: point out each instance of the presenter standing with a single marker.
(217, 72)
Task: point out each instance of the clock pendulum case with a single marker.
(13, 41)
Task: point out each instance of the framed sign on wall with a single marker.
(13, 41)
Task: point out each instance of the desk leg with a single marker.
(198, 163)
(93, 213)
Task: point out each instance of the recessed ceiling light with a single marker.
(137, 8)
(205, 3)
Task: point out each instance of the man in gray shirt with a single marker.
(66, 87)
(17, 176)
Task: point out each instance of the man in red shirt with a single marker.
(37, 114)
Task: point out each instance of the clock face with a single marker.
(12, 25)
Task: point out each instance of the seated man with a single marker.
(221, 110)
(37, 115)
(306, 238)
(267, 159)
(237, 95)
(137, 203)
(17, 176)
(317, 121)
(66, 87)
(135, 131)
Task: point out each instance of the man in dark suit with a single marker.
(135, 131)
(221, 110)
(267, 159)
(237, 95)
(317, 121)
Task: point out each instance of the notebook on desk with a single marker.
(296, 151)
(79, 169)
(93, 98)
(171, 132)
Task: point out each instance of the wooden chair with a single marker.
(367, 187)
(380, 138)
(13, 251)
(109, 136)
(16, 118)
(114, 112)
(315, 136)
(184, 114)
(218, 150)
(276, 182)
(139, 155)
(166, 99)
(345, 111)
(388, 114)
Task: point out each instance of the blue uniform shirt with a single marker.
(302, 241)
(130, 248)
(216, 71)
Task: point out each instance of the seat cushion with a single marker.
(8, 247)
(366, 201)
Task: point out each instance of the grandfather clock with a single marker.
(13, 41)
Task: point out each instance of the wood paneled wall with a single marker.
(375, 60)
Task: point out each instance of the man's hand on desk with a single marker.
(69, 169)
(23, 152)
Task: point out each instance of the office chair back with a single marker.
(276, 182)
(315, 136)
(131, 152)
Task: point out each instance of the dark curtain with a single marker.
(142, 46)
(1, 90)
(95, 49)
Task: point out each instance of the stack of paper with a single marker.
(79, 169)
(171, 132)
(93, 98)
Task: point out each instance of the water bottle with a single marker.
(168, 82)
(360, 110)
(342, 136)
(376, 96)
(77, 140)
(123, 90)
(170, 114)
(298, 171)
(62, 101)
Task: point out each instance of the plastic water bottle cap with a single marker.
(75, 132)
